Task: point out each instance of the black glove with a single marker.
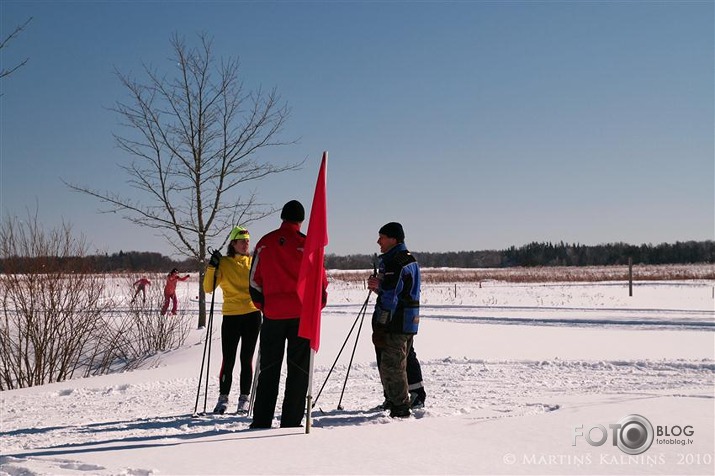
(215, 258)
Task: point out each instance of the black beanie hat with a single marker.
(293, 211)
(393, 230)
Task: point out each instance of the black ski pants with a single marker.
(242, 328)
(275, 333)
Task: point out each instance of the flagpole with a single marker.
(309, 399)
(312, 280)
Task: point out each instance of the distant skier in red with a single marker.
(170, 290)
(141, 285)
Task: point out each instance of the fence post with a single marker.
(630, 276)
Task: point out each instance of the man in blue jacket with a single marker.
(395, 320)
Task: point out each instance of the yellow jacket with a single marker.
(232, 276)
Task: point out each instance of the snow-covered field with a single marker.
(517, 376)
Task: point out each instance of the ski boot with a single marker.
(242, 404)
(221, 405)
(417, 398)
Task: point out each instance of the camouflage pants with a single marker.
(393, 368)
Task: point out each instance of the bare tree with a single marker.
(6, 71)
(195, 143)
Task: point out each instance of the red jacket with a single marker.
(171, 280)
(274, 272)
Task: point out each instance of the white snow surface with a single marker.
(515, 374)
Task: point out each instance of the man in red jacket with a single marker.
(273, 286)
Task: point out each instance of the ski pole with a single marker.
(357, 339)
(361, 312)
(201, 372)
(210, 339)
(209, 333)
(254, 384)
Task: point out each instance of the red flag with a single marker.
(311, 279)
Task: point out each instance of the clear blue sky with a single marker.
(478, 125)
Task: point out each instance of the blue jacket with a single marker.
(397, 309)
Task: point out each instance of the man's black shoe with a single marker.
(417, 398)
(258, 426)
(400, 411)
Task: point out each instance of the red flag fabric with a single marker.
(311, 279)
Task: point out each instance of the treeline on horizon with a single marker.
(530, 255)
(551, 254)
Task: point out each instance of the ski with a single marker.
(216, 416)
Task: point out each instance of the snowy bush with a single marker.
(60, 321)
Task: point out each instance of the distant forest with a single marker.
(550, 254)
(532, 254)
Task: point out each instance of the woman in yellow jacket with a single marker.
(241, 320)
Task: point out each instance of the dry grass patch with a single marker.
(542, 274)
